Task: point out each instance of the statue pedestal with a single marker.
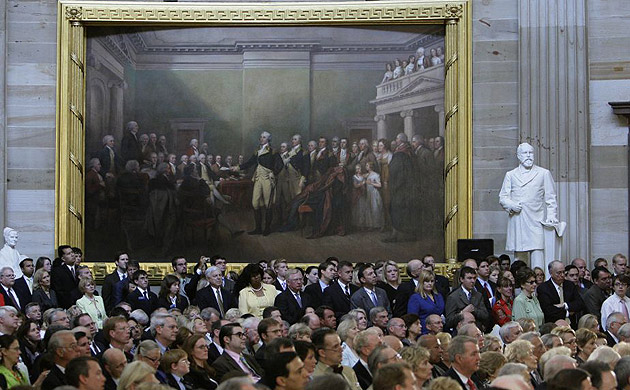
(553, 243)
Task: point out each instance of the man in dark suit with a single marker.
(581, 266)
(486, 287)
(281, 268)
(326, 271)
(442, 283)
(63, 278)
(292, 302)
(464, 355)
(60, 347)
(369, 296)
(598, 292)
(365, 342)
(559, 300)
(14, 294)
(466, 299)
(233, 341)
(324, 159)
(214, 344)
(269, 329)
(614, 321)
(214, 295)
(142, 297)
(408, 287)
(114, 361)
(112, 279)
(338, 293)
(130, 148)
(110, 160)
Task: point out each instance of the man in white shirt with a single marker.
(281, 268)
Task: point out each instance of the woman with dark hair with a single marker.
(10, 374)
(502, 309)
(414, 328)
(312, 275)
(43, 262)
(306, 352)
(30, 339)
(201, 373)
(169, 296)
(253, 295)
(526, 304)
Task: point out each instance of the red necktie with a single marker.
(471, 385)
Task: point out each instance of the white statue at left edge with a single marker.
(9, 256)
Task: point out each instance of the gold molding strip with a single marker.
(451, 164)
(76, 112)
(77, 61)
(450, 216)
(450, 113)
(450, 62)
(76, 162)
(74, 212)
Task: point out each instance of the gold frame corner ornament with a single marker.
(74, 17)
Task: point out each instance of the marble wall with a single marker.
(27, 119)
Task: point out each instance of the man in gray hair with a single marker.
(130, 146)
(110, 161)
(268, 165)
(404, 184)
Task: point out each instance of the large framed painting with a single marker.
(262, 131)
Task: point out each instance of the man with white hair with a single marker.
(9, 256)
(9, 320)
(528, 195)
(193, 148)
(404, 184)
(605, 354)
(510, 332)
(214, 294)
(110, 161)
(268, 165)
(556, 364)
(512, 382)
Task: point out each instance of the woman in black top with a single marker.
(201, 374)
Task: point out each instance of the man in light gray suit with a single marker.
(467, 299)
(369, 296)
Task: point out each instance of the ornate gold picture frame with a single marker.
(76, 17)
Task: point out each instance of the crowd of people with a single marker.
(414, 63)
(497, 325)
(373, 186)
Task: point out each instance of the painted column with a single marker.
(440, 110)
(381, 126)
(408, 122)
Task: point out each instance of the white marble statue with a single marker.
(9, 256)
(528, 194)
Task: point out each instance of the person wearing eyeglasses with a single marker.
(526, 304)
(233, 340)
(329, 355)
(63, 348)
(201, 373)
(114, 362)
(618, 301)
(176, 366)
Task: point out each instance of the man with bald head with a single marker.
(582, 271)
(114, 361)
(364, 343)
(559, 300)
(434, 324)
(408, 287)
(432, 344)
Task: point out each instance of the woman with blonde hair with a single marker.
(135, 373)
(90, 303)
(426, 300)
(585, 340)
(590, 322)
(491, 344)
(148, 351)
(489, 365)
(522, 351)
(445, 340)
(390, 280)
(418, 359)
(42, 293)
(347, 330)
(568, 338)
